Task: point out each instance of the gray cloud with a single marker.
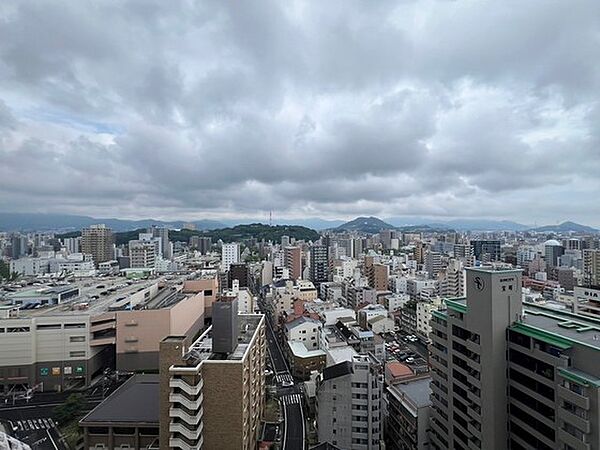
(206, 109)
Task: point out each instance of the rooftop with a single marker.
(561, 328)
(417, 392)
(136, 401)
(201, 349)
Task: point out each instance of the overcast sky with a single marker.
(218, 109)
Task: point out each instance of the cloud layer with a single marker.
(187, 109)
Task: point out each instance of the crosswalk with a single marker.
(32, 424)
(292, 399)
(284, 377)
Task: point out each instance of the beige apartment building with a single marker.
(212, 393)
(98, 240)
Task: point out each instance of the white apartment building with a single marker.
(305, 330)
(230, 254)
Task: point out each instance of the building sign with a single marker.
(79, 369)
(56, 371)
(479, 284)
(44, 371)
(68, 370)
(583, 293)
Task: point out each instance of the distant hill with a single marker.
(257, 231)
(67, 222)
(370, 225)
(565, 227)
(460, 224)
(310, 222)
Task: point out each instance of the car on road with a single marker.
(287, 383)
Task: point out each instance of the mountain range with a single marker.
(66, 222)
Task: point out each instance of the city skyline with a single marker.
(441, 109)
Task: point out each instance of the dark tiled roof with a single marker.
(339, 370)
(136, 401)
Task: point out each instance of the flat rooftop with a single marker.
(416, 392)
(201, 349)
(564, 327)
(135, 402)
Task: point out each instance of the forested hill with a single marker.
(258, 231)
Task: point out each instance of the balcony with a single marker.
(187, 388)
(573, 397)
(189, 404)
(571, 440)
(181, 414)
(180, 443)
(193, 435)
(578, 422)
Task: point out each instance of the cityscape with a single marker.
(299, 225)
(404, 338)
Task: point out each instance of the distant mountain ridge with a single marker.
(67, 222)
(565, 227)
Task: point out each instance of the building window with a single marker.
(77, 339)
(77, 354)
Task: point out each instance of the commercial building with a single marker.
(293, 261)
(512, 375)
(98, 241)
(349, 408)
(55, 348)
(50, 353)
(319, 264)
(212, 393)
(486, 250)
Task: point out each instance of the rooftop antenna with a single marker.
(270, 218)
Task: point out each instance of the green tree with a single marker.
(70, 409)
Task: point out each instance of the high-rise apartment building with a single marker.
(212, 394)
(433, 264)
(230, 254)
(463, 251)
(162, 233)
(591, 267)
(469, 379)
(292, 260)
(486, 250)
(452, 284)
(319, 264)
(18, 246)
(98, 241)
(553, 250)
(349, 404)
(512, 375)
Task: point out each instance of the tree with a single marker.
(70, 409)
